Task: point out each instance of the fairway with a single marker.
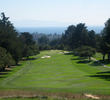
(62, 72)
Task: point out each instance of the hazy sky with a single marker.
(91, 12)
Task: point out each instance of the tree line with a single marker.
(79, 39)
(85, 43)
(14, 45)
(50, 36)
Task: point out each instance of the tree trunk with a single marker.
(8, 66)
(103, 57)
(3, 68)
(16, 62)
(89, 58)
(108, 58)
(27, 57)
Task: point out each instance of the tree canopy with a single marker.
(12, 46)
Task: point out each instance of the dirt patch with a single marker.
(27, 94)
(46, 95)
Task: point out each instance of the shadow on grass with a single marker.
(95, 63)
(31, 58)
(25, 59)
(75, 59)
(108, 72)
(78, 58)
(18, 65)
(3, 73)
(102, 75)
(104, 61)
(83, 60)
(68, 53)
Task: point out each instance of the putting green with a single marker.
(62, 72)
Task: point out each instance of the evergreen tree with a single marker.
(28, 45)
(9, 38)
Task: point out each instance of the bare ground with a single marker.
(32, 94)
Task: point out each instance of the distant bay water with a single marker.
(58, 30)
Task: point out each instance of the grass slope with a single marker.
(60, 73)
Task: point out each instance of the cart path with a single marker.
(99, 62)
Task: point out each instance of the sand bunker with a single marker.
(46, 56)
(66, 52)
(60, 52)
(91, 96)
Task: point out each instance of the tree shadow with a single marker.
(84, 61)
(68, 53)
(32, 58)
(25, 59)
(108, 72)
(18, 65)
(78, 58)
(102, 75)
(75, 59)
(3, 73)
(2, 76)
(104, 61)
(95, 63)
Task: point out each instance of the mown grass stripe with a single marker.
(62, 73)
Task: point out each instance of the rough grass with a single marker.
(64, 73)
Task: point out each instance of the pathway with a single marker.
(99, 62)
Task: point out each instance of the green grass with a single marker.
(99, 57)
(60, 73)
(13, 70)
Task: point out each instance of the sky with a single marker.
(56, 12)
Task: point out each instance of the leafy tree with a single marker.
(105, 41)
(40, 47)
(55, 42)
(75, 36)
(80, 37)
(4, 19)
(92, 38)
(5, 58)
(98, 42)
(104, 49)
(106, 32)
(68, 36)
(61, 47)
(43, 40)
(47, 47)
(28, 45)
(56, 46)
(85, 51)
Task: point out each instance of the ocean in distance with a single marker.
(58, 30)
